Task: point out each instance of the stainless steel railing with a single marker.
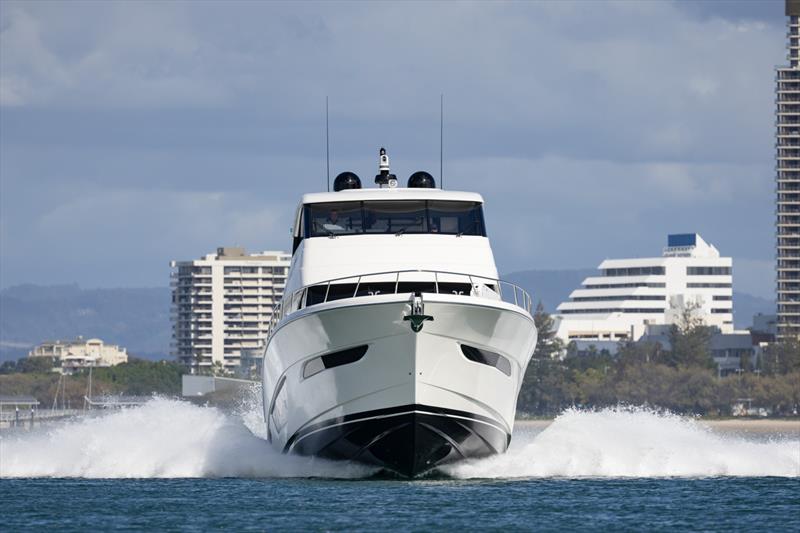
(480, 286)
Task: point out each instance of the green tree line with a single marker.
(33, 376)
(683, 379)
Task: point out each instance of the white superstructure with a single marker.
(222, 305)
(323, 259)
(629, 294)
(395, 344)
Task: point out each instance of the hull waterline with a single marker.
(408, 440)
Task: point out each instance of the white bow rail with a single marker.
(480, 286)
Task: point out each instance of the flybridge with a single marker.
(421, 208)
(384, 178)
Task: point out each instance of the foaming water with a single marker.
(173, 439)
(633, 442)
(161, 439)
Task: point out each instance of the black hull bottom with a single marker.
(408, 440)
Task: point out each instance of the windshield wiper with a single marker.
(400, 232)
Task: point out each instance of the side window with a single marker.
(298, 230)
(456, 218)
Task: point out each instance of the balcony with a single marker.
(788, 76)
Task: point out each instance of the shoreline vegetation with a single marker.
(137, 377)
(683, 379)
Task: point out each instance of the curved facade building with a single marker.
(629, 294)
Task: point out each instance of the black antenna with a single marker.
(327, 147)
(441, 141)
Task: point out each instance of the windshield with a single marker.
(397, 217)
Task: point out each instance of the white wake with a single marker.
(634, 442)
(171, 438)
(161, 439)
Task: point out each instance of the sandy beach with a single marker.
(749, 425)
(730, 425)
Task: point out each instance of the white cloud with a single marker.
(173, 219)
(704, 86)
(12, 91)
(592, 128)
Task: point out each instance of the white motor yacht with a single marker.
(395, 343)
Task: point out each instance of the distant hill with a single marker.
(137, 319)
(554, 286)
(745, 306)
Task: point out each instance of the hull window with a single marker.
(485, 357)
(331, 360)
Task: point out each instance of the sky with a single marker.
(134, 133)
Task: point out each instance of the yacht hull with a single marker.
(402, 400)
(408, 440)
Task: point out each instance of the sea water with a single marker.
(172, 465)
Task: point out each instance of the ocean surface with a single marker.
(175, 466)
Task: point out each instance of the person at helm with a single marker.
(332, 223)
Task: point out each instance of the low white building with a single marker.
(222, 305)
(630, 294)
(80, 353)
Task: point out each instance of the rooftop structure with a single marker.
(222, 305)
(80, 353)
(630, 294)
(788, 181)
(12, 402)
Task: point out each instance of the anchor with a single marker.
(417, 316)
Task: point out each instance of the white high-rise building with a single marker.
(630, 294)
(222, 305)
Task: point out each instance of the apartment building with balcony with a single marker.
(222, 305)
(628, 295)
(81, 353)
(787, 223)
